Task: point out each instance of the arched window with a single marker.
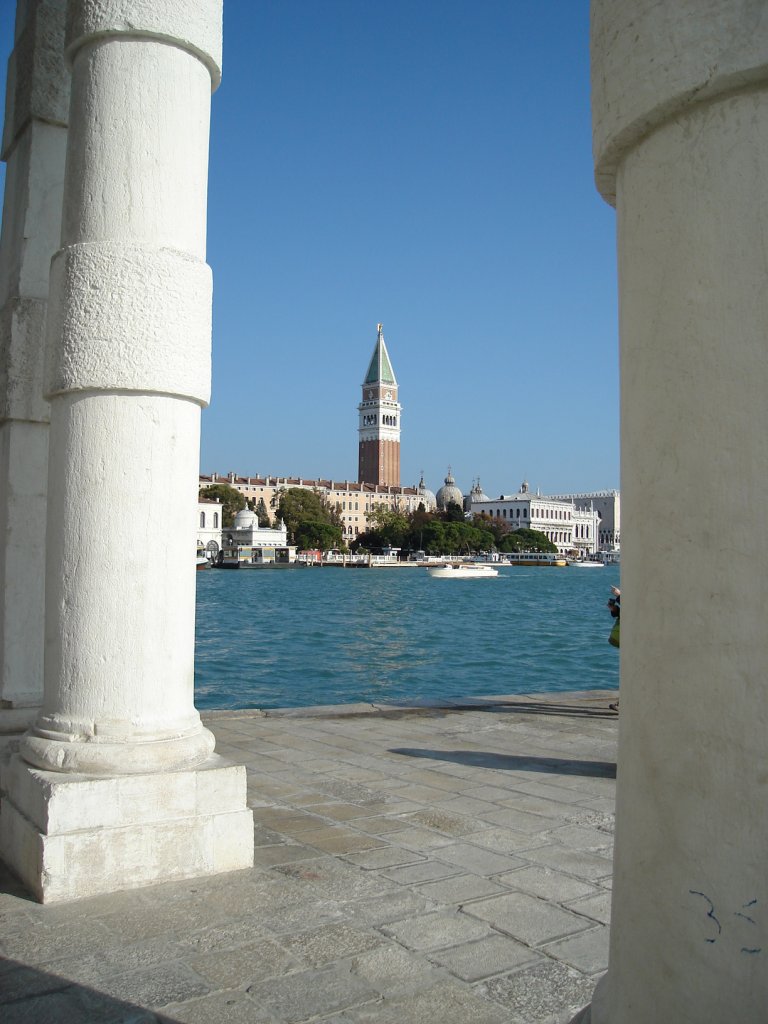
(202, 520)
(215, 520)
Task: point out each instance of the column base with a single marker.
(14, 722)
(595, 1013)
(71, 836)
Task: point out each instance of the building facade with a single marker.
(379, 421)
(353, 501)
(209, 523)
(607, 504)
(569, 528)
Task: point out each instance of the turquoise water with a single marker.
(293, 638)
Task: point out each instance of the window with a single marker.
(202, 520)
(215, 520)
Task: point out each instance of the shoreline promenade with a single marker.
(428, 865)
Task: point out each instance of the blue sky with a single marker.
(426, 164)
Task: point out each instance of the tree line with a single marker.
(313, 521)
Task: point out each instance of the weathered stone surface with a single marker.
(333, 942)
(547, 993)
(587, 951)
(530, 920)
(400, 949)
(436, 931)
(312, 993)
(547, 884)
(492, 955)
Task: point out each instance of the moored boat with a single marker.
(534, 558)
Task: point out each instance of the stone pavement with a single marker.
(413, 866)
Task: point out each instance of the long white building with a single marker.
(607, 504)
(567, 526)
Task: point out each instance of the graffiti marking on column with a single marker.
(710, 914)
(715, 921)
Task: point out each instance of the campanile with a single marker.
(379, 425)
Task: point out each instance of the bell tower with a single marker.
(379, 423)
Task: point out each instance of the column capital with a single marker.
(193, 26)
(651, 61)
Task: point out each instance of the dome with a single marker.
(449, 493)
(245, 520)
(426, 495)
(476, 494)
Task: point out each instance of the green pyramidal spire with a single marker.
(380, 368)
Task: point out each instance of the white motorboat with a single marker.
(463, 571)
(587, 564)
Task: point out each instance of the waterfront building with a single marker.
(209, 528)
(607, 504)
(569, 528)
(246, 541)
(379, 421)
(353, 501)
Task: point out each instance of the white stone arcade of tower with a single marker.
(379, 424)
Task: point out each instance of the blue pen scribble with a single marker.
(710, 912)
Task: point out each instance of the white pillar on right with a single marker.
(680, 108)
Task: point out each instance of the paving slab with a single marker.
(413, 866)
(526, 918)
(548, 993)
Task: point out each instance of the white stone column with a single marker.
(91, 803)
(680, 97)
(34, 147)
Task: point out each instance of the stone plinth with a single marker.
(70, 836)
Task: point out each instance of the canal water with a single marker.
(292, 638)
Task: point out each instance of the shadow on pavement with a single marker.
(514, 762)
(29, 995)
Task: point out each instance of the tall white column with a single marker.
(680, 95)
(34, 147)
(129, 369)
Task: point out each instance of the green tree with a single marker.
(261, 512)
(454, 513)
(498, 527)
(303, 512)
(317, 533)
(392, 526)
(526, 540)
(231, 500)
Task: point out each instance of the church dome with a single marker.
(426, 496)
(476, 494)
(245, 519)
(449, 494)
